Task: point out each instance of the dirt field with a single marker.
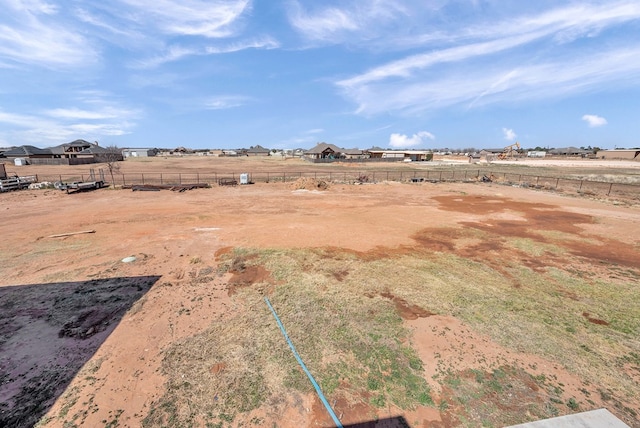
(434, 305)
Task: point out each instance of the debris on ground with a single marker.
(172, 187)
(308, 183)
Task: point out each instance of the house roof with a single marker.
(321, 147)
(26, 151)
(258, 149)
(94, 150)
(63, 148)
(352, 151)
(568, 150)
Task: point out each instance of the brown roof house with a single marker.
(324, 151)
(258, 151)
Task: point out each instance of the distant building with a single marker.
(78, 152)
(401, 155)
(536, 154)
(258, 151)
(139, 153)
(569, 151)
(324, 151)
(621, 154)
(354, 154)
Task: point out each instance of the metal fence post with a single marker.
(610, 187)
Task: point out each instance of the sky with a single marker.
(405, 74)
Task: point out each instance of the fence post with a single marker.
(329, 176)
(580, 185)
(197, 177)
(284, 177)
(142, 178)
(557, 182)
(440, 179)
(387, 175)
(610, 186)
(124, 181)
(267, 177)
(180, 179)
(161, 179)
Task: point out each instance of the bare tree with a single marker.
(111, 156)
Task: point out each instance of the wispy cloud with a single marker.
(314, 131)
(103, 117)
(487, 62)
(177, 52)
(32, 33)
(225, 102)
(509, 134)
(190, 18)
(594, 121)
(404, 141)
(339, 23)
(487, 83)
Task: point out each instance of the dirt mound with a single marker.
(307, 183)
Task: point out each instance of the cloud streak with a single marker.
(59, 125)
(487, 63)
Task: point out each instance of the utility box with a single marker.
(19, 161)
(244, 178)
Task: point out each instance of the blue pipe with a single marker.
(313, 381)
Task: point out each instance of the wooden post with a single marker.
(610, 187)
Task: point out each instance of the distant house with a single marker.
(139, 153)
(354, 154)
(71, 150)
(78, 152)
(257, 151)
(401, 155)
(569, 151)
(324, 151)
(622, 154)
(27, 154)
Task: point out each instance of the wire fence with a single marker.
(565, 185)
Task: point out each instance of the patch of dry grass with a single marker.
(353, 340)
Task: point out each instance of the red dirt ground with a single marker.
(175, 235)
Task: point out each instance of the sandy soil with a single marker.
(118, 373)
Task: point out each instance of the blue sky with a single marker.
(288, 74)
